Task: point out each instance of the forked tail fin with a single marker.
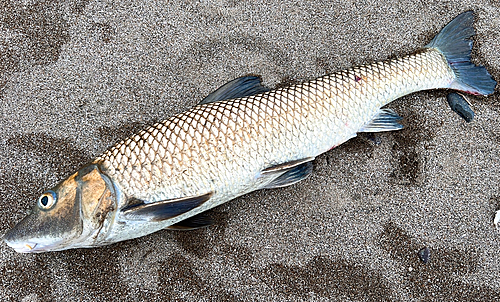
(455, 42)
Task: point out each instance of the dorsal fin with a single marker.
(165, 209)
(237, 88)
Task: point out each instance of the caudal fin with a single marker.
(455, 42)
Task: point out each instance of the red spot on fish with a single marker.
(473, 92)
(357, 79)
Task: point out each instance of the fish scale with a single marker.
(221, 147)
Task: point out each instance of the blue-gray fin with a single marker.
(192, 223)
(289, 173)
(165, 209)
(237, 88)
(384, 120)
(459, 104)
(455, 43)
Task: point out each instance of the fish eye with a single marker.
(47, 200)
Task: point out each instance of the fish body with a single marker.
(223, 147)
(241, 138)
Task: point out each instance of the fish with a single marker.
(241, 138)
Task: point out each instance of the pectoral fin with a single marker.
(192, 223)
(289, 173)
(237, 88)
(166, 209)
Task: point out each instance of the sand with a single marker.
(78, 76)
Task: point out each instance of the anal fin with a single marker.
(384, 120)
(289, 173)
(165, 209)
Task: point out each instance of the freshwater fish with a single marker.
(241, 138)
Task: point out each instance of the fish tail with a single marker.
(455, 43)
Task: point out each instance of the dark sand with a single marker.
(78, 76)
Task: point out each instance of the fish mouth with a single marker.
(23, 247)
(26, 246)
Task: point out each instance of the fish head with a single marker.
(75, 213)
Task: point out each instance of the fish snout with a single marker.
(22, 247)
(19, 246)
